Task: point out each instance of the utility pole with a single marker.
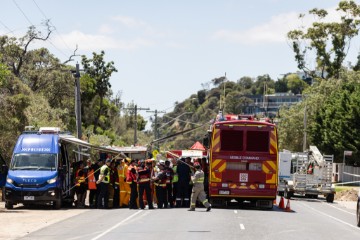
(135, 109)
(77, 101)
(76, 74)
(305, 120)
(156, 133)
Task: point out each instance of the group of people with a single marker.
(139, 183)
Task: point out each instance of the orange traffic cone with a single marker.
(287, 209)
(281, 203)
(274, 202)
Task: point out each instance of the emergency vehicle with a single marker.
(243, 160)
(307, 174)
(40, 168)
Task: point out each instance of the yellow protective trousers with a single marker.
(124, 194)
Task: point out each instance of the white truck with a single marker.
(306, 173)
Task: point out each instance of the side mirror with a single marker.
(206, 142)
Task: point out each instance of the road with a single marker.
(309, 219)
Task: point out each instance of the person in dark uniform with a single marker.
(131, 179)
(160, 186)
(144, 185)
(116, 184)
(97, 167)
(169, 188)
(184, 173)
(104, 181)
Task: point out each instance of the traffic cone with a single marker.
(287, 209)
(281, 203)
(274, 202)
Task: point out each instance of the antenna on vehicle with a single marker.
(222, 99)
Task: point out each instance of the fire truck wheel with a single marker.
(330, 198)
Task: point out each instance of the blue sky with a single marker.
(166, 50)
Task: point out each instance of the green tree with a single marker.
(236, 103)
(281, 85)
(295, 84)
(336, 127)
(263, 85)
(15, 51)
(201, 95)
(329, 42)
(245, 82)
(97, 69)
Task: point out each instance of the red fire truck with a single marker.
(243, 161)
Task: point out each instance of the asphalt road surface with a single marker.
(308, 219)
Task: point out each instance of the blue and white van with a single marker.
(39, 170)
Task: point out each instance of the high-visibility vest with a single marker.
(198, 178)
(91, 180)
(103, 169)
(176, 176)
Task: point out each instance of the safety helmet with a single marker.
(197, 165)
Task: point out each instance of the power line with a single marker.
(57, 32)
(23, 12)
(40, 9)
(57, 48)
(10, 31)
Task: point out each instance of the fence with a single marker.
(346, 174)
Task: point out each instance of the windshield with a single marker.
(43, 161)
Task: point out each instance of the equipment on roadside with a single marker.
(306, 173)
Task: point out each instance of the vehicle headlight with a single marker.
(53, 180)
(9, 180)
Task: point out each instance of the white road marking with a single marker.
(336, 219)
(242, 227)
(115, 226)
(340, 209)
(235, 211)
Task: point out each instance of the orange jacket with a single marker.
(91, 180)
